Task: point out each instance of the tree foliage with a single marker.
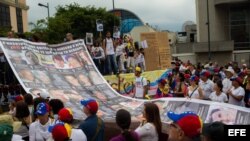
(74, 19)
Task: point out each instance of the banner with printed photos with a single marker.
(67, 72)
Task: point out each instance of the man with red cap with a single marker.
(237, 93)
(92, 126)
(206, 84)
(185, 127)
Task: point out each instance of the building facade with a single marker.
(128, 19)
(229, 22)
(13, 13)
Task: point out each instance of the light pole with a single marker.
(46, 6)
(208, 33)
(114, 10)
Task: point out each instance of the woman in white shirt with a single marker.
(237, 93)
(23, 115)
(194, 91)
(150, 128)
(38, 130)
(218, 95)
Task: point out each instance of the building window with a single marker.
(19, 20)
(4, 15)
(240, 26)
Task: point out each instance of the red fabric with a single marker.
(92, 106)
(59, 133)
(191, 125)
(65, 115)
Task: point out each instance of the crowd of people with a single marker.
(228, 84)
(43, 119)
(117, 55)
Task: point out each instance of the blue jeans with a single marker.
(111, 64)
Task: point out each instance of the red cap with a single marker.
(189, 122)
(60, 131)
(65, 115)
(205, 73)
(18, 98)
(186, 76)
(91, 104)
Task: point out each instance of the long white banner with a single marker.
(66, 71)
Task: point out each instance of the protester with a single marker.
(162, 90)
(140, 84)
(186, 126)
(23, 116)
(237, 93)
(65, 115)
(60, 132)
(69, 37)
(180, 89)
(98, 55)
(247, 90)
(56, 105)
(92, 126)
(140, 60)
(129, 48)
(28, 99)
(218, 95)
(119, 51)
(150, 127)
(8, 127)
(194, 90)
(227, 84)
(38, 130)
(11, 34)
(213, 132)
(12, 105)
(123, 120)
(109, 49)
(36, 102)
(206, 84)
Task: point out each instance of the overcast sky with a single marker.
(165, 14)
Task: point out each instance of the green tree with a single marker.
(77, 20)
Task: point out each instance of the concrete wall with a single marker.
(216, 2)
(186, 56)
(220, 57)
(219, 31)
(184, 48)
(242, 57)
(214, 46)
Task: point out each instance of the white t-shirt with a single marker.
(39, 132)
(97, 52)
(119, 50)
(218, 98)
(140, 82)
(237, 92)
(195, 94)
(78, 135)
(16, 138)
(147, 132)
(207, 87)
(227, 85)
(109, 47)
